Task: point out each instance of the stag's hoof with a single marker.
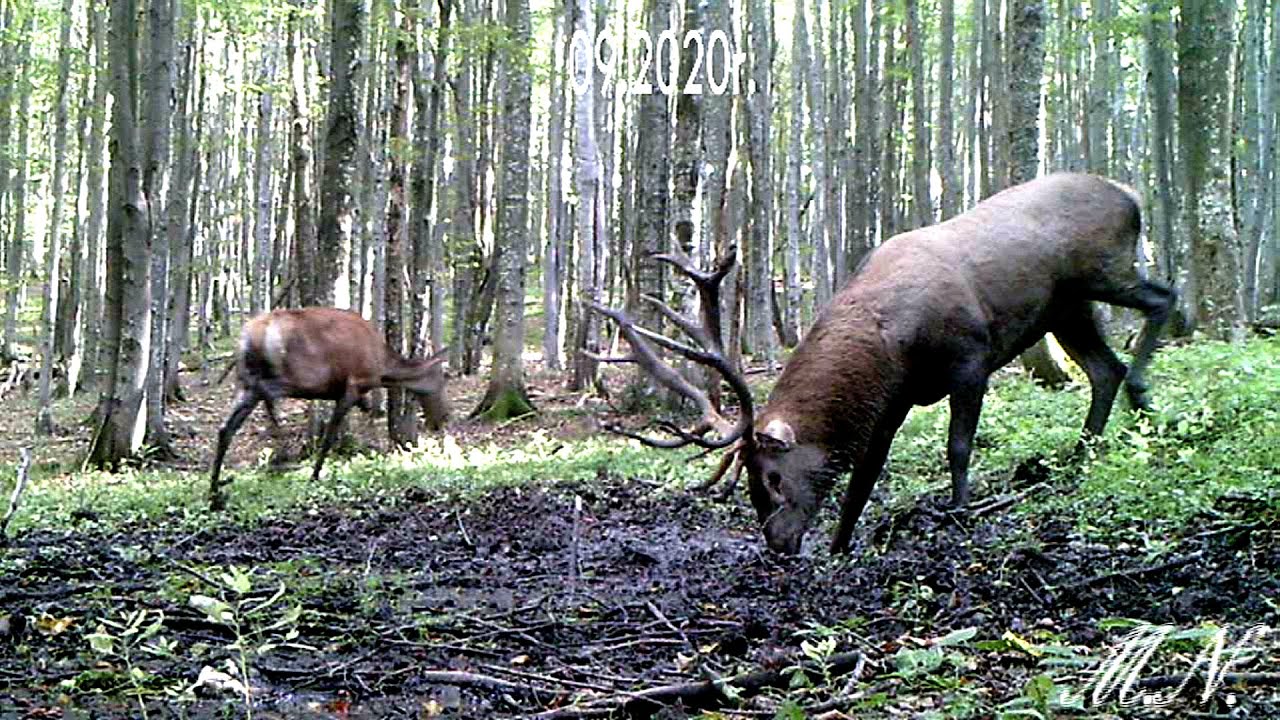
(1138, 396)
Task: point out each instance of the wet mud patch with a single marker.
(583, 600)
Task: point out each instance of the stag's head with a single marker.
(784, 473)
(783, 481)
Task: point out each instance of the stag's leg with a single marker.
(864, 477)
(966, 408)
(340, 410)
(1155, 301)
(245, 403)
(1080, 335)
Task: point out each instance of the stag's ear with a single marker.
(777, 436)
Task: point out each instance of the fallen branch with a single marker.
(704, 694)
(19, 485)
(1132, 573)
(1003, 501)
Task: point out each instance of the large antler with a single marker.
(709, 352)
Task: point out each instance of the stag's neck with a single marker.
(837, 386)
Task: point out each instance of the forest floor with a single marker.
(551, 572)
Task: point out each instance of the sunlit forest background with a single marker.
(172, 167)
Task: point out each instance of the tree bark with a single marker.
(18, 198)
(794, 156)
(760, 340)
(261, 287)
(823, 227)
(307, 285)
(44, 417)
(553, 250)
(590, 210)
(1204, 131)
(428, 254)
(120, 434)
(156, 123)
(921, 201)
(337, 205)
(401, 423)
(947, 140)
(506, 396)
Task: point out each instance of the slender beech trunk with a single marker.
(921, 201)
(261, 287)
(795, 151)
(18, 199)
(590, 204)
(337, 203)
(401, 425)
(157, 120)
(947, 140)
(553, 250)
(760, 99)
(506, 396)
(44, 417)
(121, 431)
(1204, 133)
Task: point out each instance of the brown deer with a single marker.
(320, 353)
(930, 313)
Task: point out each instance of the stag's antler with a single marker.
(709, 352)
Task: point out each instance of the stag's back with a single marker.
(316, 351)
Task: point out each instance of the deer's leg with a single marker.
(1080, 335)
(864, 477)
(1155, 301)
(966, 407)
(340, 410)
(245, 403)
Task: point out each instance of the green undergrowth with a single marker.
(1215, 432)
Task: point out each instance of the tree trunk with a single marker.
(590, 211)
(18, 199)
(1204, 133)
(156, 124)
(794, 156)
(947, 140)
(760, 338)
(304, 274)
(8, 59)
(44, 417)
(1099, 115)
(822, 225)
(402, 427)
(921, 201)
(1162, 96)
(1252, 184)
(337, 205)
(464, 247)
(506, 396)
(183, 210)
(120, 434)
(553, 250)
(428, 255)
(261, 288)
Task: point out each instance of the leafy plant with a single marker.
(257, 625)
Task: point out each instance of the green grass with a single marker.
(1215, 431)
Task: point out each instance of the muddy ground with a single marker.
(641, 603)
(516, 604)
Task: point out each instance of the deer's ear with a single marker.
(777, 436)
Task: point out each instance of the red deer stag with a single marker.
(321, 354)
(930, 313)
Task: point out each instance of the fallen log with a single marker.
(703, 694)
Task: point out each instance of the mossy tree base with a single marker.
(504, 404)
